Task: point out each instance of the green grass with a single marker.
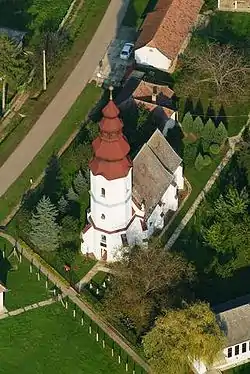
(24, 287)
(100, 277)
(243, 369)
(69, 124)
(137, 11)
(48, 340)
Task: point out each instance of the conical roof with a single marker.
(111, 148)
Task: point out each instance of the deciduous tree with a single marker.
(182, 336)
(44, 227)
(145, 280)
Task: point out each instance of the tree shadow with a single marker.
(52, 183)
(222, 117)
(210, 113)
(189, 106)
(199, 110)
(5, 265)
(175, 138)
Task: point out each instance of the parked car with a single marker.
(127, 51)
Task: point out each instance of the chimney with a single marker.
(154, 94)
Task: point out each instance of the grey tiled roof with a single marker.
(150, 178)
(235, 322)
(163, 150)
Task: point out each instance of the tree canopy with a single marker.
(182, 336)
(144, 281)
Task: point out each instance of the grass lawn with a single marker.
(83, 29)
(243, 369)
(69, 124)
(24, 288)
(136, 12)
(100, 277)
(49, 340)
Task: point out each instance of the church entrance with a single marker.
(104, 254)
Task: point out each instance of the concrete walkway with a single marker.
(62, 102)
(233, 141)
(26, 308)
(99, 266)
(74, 296)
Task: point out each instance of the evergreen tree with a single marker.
(70, 232)
(208, 132)
(199, 162)
(187, 123)
(44, 228)
(72, 195)
(80, 183)
(190, 152)
(63, 204)
(52, 186)
(220, 135)
(198, 126)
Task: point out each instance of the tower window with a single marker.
(103, 192)
(103, 238)
(236, 350)
(103, 216)
(229, 352)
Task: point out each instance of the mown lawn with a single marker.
(48, 340)
(71, 122)
(243, 369)
(23, 286)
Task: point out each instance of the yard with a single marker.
(23, 287)
(49, 340)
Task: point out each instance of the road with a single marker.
(62, 102)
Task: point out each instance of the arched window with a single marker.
(103, 192)
(103, 216)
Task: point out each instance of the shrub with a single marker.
(199, 162)
(190, 153)
(214, 149)
(207, 160)
(205, 145)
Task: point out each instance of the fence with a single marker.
(102, 332)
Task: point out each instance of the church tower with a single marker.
(110, 188)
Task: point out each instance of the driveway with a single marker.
(62, 102)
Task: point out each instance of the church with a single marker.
(128, 199)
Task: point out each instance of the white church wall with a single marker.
(111, 202)
(135, 233)
(155, 220)
(179, 178)
(170, 199)
(149, 56)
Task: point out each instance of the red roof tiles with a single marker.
(167, 27)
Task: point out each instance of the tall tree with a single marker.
(80, 183)
(208, 131)
(198, 126)
(52, 185)
(244, 154)
(44, 228)
(228, 232)
(220, 134)
(217, 67)
(70, 232)
(144, 282)
(183, 336)
(187, 123)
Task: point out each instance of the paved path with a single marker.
(26, 308)
(62, 102)
(233, 141)
(74, 296)
(99, 266)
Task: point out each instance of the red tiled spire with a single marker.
(111, 148)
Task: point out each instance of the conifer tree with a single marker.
(44, 228)
(72, 195)
(198, 126)
(80, 183)
(208, 132)
(220, 135)
(187, 123)
(63, 204)
(52, 185)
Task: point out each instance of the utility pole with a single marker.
(44, 71)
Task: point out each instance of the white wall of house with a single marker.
(169, 201)
(179, 178)
(149, 56)
(111, 201)
(1, 302)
